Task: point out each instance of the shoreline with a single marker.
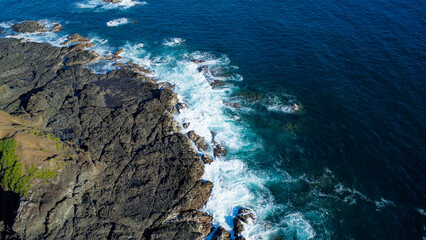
(76, 57)
(119, 85)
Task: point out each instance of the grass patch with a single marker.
(11, 169)
(12, 177)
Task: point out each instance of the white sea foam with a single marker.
(118, 22)
(124, 4)
(171, 42)
(277, 104)
(235, 185)
(7, 24)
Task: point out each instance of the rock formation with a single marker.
(221, 234)
(29, 27)
(133, 175)
(243, 216)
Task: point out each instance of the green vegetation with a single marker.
(10, 169)
(11, 176)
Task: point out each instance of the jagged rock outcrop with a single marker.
(221, 234)
(29, 27)
(57, 27)
(198, 140)
(243, 216)
(73, 38)
(134, 175)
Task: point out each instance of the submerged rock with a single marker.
(295, 107)
(203, 68)
(217, 83)
(233, 104)
(29, 27)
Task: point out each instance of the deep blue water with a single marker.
(350, 164)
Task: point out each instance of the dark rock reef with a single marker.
(134, 176)
(29, 27)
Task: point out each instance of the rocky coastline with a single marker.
(127, 170)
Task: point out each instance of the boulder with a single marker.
(218, 150)
(198, 140)
(206, 159)
(203, 68)
(56, 28)
(75, 38)
(233, 104)
(186, 125)
(29, 27)
(243, 216)
(221, 234)
(118, 52)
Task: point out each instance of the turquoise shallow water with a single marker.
(348, 165)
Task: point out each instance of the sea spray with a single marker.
(117, 22)
(100, 4)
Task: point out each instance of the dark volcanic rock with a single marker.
(29, 27)
(198, 140)
(243, 216)
(80, 58)
(135, 176)
(218, 150)
(221, 234)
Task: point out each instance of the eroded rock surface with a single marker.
(29, 27)
(134, 175)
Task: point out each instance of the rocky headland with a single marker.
(126, 170)
(96, 156)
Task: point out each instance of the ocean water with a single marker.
(349, 164)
